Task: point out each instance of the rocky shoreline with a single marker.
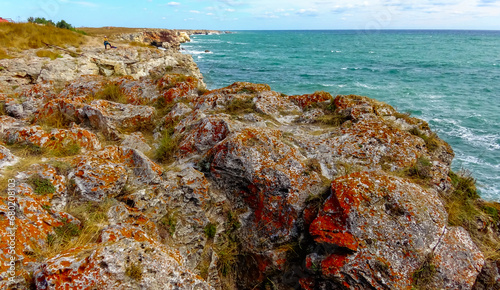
(123, 172)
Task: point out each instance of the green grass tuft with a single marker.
(169, 221)
(41, 186)
(240, 106)
(210, 230)
(424, 275)
(112, 92)
(169, 145)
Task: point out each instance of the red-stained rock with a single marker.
(136, 141)
(387, 227)
(307, 100)
(144, 170)
(83, 87)
(176, 87)
(256, 167)
(206, 133)
(6, 157)
(138, 92)
(274, 104)
(69, 108)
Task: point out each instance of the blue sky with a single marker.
(263, 14)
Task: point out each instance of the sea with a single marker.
(451, 79)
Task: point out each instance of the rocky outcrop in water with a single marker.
(134, 176)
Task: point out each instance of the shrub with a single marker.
(67, 231)
(431, 141)
(169, 221)
(421, 169)
(56, 120)
(41, 186)
(169, 145)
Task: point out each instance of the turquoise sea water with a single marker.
(449, 78)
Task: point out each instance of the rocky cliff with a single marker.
(121, 171)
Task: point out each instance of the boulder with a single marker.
(96, 178)
(110, 117)
(380, 231)
(268, 182)
(125, 263)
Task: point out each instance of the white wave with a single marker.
(344, 68)
(488, 141)
(366, 86)
(197, 52)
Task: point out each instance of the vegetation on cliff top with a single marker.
(22, 36)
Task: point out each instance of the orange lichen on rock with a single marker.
(204, 135)
(176, 86)
(307, 100)
(57, 139)
(27, 221)
(383, 222)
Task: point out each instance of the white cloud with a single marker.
(173, 3)
(308, 12)
(230, 10)
(194, 11)
(81, 3)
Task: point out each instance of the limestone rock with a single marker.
(29, 221)
(125, 263)
(6, 157)
(136, 141)
(377, 228)
(109, 117)
(96, 178)
(269, 182)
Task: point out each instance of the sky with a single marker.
(263, 14)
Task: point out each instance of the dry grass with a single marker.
(465, 209)
(112, 92)
(94, 218)
(3, 54)
(22, 36)
(56, 120)
(48, 53)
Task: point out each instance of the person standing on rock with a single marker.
(106, 43)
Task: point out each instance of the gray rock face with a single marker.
(123, 61)
(6, 157)
(108, 117)
(376, 229)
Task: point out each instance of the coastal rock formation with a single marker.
(135, 176)
(375, 229)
